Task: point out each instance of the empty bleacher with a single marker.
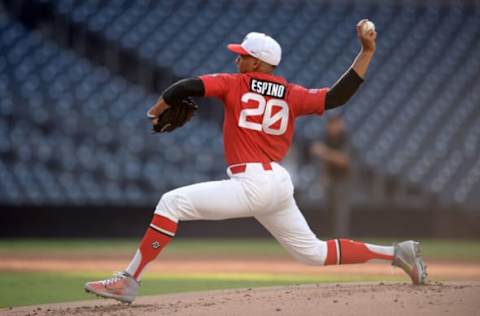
(75, 133)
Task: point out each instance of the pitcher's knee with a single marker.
(172, 205)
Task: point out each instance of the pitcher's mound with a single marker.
(452, 298)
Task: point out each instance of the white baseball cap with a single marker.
(261, 46)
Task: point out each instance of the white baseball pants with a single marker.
(266, 195)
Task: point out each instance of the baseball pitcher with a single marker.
(260, 110)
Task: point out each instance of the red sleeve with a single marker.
(307, 101)
(216, 85)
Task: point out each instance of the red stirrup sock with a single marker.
(344, 251)
(158, 235)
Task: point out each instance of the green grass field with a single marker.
(29, 288)
(49, 287)
(463, 250)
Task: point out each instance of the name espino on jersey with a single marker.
(267, 88)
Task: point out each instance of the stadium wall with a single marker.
(128, 222)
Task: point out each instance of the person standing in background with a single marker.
(335, 154)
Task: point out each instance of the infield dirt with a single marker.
(438, 270)
(452, 298)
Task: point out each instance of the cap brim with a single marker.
(237, 49)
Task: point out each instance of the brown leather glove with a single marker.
(175, 116)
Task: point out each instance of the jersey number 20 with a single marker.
(266, 109)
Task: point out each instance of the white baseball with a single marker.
(368, 26)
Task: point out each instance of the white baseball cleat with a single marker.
(407, 257)
(122, 287)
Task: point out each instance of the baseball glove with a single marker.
(175, 116)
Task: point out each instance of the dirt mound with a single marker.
(452, 298)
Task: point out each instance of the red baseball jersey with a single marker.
(260, 113)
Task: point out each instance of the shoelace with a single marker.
(117, 276)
